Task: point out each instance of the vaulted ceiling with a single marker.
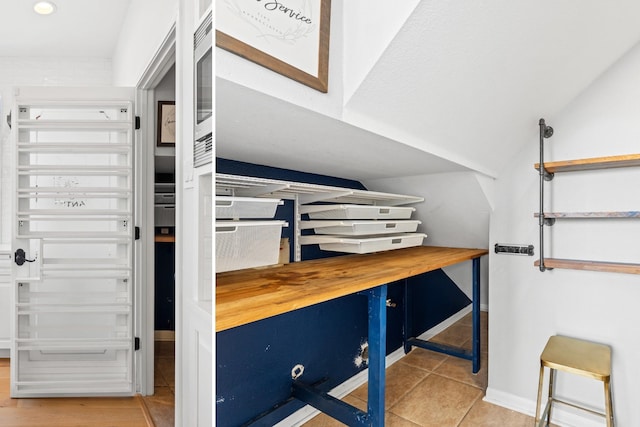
(461, 86)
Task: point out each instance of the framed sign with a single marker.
(166, 135)
(290, 37)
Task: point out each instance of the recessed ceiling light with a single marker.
(44, 8)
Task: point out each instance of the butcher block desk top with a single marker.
(250, 295)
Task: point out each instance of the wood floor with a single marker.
(161, 405)
(150, 411)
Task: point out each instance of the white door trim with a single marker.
(145, 301)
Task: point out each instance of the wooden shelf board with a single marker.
(611, 214)
(627, 160)
(574, 264)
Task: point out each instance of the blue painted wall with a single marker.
(254, 362)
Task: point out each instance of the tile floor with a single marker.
(426, 388)
(161, 404)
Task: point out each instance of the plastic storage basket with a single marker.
(362, 227)
(229, 207)
(247, 244)
(364, 245)
(356, 212)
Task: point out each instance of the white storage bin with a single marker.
(165, 215)
(361, 228)
(356, 212)
(364, 245)
(247, 244)
(229, 207)
(164, 198)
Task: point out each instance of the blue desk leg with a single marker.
(476, 316)
(408, 315)
(474, 354)
(377, 299)
(341, 411)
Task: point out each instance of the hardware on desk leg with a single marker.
(377, 346)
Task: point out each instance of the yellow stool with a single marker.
(577, 357)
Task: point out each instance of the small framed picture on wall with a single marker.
(166, 136)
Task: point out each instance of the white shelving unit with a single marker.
(73, 297)
(304, 195)
(547, 171)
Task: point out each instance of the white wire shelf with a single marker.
(236, 185)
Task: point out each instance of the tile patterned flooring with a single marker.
(426, 388)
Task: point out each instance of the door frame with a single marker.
(162, 61)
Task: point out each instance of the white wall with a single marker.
(370, 25)
(455, 212)
(528, 306)
(145, 27)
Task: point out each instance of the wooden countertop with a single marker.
(250, 295)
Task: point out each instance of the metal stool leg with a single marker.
(608, 402)
(540, 381)
(552, 375)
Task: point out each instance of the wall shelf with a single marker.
(594, 163)
(586, 215)
(546, 172)
(574, 264)
(236, 185)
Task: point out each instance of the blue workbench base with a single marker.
(377, 323)
(474, 354)
(341, 411)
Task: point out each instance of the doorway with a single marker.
(161, 404)
(155, 103)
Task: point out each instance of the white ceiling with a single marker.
(461, 86)
(258, 128)
(474, 77)
(79, 28)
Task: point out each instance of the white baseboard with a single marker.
(560, 417)
(427, 335)
(164, 335)
(305, 414)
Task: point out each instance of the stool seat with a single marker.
(578, 357)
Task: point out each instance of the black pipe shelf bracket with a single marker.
(545, 132)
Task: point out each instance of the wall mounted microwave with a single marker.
(203, 67)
